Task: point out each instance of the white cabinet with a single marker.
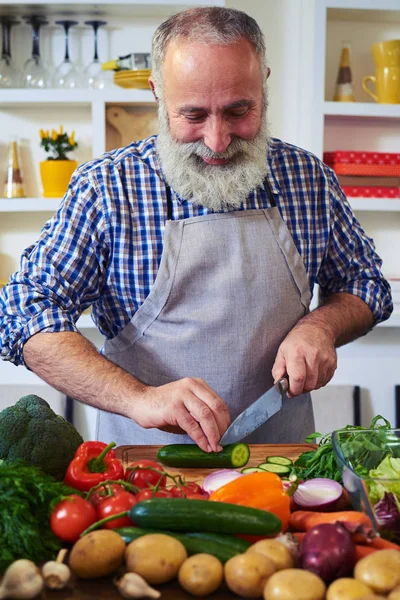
(363, 124)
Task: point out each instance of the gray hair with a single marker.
(211, 25)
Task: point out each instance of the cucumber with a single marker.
(272, 468)
(219, 546)
(279, 460)
(190, 455)
(249, 470)
(182, 514)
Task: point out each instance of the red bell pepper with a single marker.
(93, 463)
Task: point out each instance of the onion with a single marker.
(219, 478)
(328, 551)
(320, 493)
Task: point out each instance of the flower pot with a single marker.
(55, 175)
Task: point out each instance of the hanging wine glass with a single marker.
(67, 74)
(10, 76)
(94, 76)
(35, 74)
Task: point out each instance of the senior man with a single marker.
(198, 250)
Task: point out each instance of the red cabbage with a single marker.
(387, 514)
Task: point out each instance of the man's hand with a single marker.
(185, 406)
(308, 356)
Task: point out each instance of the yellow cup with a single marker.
(55, 175)
(386, 57)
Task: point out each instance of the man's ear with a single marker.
(153, 89)
(268, 72)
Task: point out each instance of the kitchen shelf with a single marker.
(375, 204)
(29, 204)
(9, 98)
(362, 109)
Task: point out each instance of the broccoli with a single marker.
(31, 432)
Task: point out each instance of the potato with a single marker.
(294, 584)
(394, 594)
(276, 551)
(156, 557)
(97, 554)
(347, 588)
(246, 574)
(201, 574)
(380, 570)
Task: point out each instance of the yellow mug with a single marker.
(386, 57)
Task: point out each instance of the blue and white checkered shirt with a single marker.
(103, 247)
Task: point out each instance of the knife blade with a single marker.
(257, 413)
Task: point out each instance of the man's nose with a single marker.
(216, 135)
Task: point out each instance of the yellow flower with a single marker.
(46, 133)
(71, 138)
(41, 133)
(61, 129)
(54, 134)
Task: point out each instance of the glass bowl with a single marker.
(369, 460)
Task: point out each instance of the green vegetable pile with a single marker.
(322, 462)
(32, 432)
(27, 496)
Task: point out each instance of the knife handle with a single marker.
(283, 385)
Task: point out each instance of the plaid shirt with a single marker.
(103, 247)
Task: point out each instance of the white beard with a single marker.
(212, 186)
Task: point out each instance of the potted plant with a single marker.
(56, 171)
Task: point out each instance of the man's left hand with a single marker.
(308, 357)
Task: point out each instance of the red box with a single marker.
(376, 164)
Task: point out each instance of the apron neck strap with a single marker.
(267, 187)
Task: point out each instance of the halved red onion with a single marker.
(317, 493)
(216, 480)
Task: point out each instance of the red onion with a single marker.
(219, 478)
(320, 493)
(328, 551)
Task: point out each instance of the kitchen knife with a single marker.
(256, 414)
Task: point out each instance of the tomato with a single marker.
(112, 506)
(196, 497)
(143, 478)
(188, 488)
(148, 493)
(71, 516)
(104, 492)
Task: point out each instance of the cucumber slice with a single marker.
(279, 460)
(278, 469)
(232, 456)
(248, 470)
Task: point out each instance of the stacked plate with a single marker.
(133, 79)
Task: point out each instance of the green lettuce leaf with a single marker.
(386, 479)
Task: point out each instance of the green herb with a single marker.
(365, 449)
(27, 496)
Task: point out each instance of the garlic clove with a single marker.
(21, 580)
(132, 585)
(56, 575)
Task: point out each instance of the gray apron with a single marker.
(229, 288)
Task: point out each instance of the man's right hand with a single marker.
(185, 406)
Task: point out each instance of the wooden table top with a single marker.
(104, 588)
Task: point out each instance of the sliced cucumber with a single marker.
(248, 470)
(190, 455)
(279, 460)
(278, 469)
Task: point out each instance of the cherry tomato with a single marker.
(112, 506)
(104, 492)
(196, 497)
(71, 516)
(188, 488)
(147, 494)
(143, 478)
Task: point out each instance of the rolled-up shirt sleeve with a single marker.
(351, 263)
(60, 275)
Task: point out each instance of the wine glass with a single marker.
(67, 73)
(94, 75)
(35, 73)
(10, 76)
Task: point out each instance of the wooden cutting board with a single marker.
(258, 454)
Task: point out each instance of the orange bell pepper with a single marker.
(258, 490)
